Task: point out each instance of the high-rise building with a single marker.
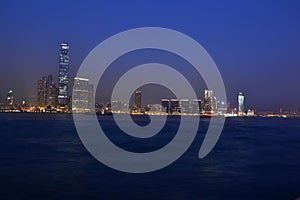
(40, 94)
(82, 99)
(46, 92)
(138, 101)
(208, 101)
(241, 99)
(63, 75)
(52, 94)
(10, 99)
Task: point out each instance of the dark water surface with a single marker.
(42, 157)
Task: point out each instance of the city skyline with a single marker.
(52, 97)
(49, 93)
(256, 52)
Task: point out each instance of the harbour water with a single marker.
(42, 157)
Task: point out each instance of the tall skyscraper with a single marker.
(208, 101)
(46, 92)
(138, 101)
(63, 75)
(241, 99)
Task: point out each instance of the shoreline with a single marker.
(179, 115)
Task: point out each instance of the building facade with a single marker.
(241, 99)
(10, 99)
(63, 75)
(208, 101)
(82, 98)
(138, 101)
(46, 92)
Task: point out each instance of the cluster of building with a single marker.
(210, 106)
(52, 97)
(56, 97)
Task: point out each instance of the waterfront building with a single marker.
(241, 99)
(40, 93)
(138, 101)
(46, 92)
(63, 75)
(82, 99)
(10, 99)
(208, 101)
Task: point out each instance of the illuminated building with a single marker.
(241, 99)
(184, 104)
(165, 103)
(10, 99)
(208, 101)
(82, 98)
(222, 108)
(46, 92)
(138, 101)
(250, 113)
(52, 94)
(63, 75)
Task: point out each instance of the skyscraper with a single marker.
(52, 93)
(46, 92)
(10, 99)
(241, 99)
(40, 94)
(63, 75)
(208, 101)
(138, 101)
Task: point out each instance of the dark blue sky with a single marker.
(255, 44)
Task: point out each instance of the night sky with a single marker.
(255, 44)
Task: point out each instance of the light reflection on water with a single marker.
(42, 157)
